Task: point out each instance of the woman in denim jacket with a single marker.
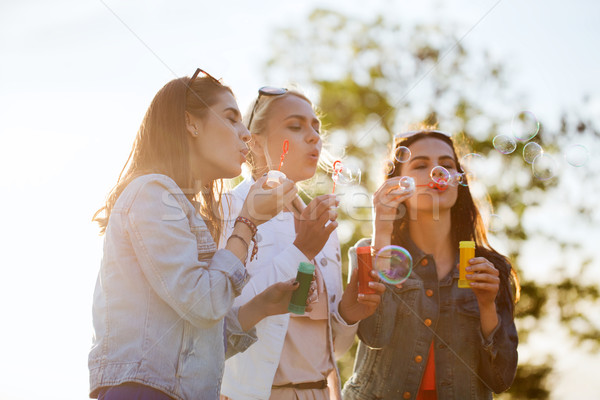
(163, 289)
(430, 339)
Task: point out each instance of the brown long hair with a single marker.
(465, 219)
(161, 146)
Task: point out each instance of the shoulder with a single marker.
(151, 182)
(153, 188)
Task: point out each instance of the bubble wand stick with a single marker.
(286, 146)
(274, 176)
(337, 168)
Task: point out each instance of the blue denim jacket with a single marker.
(161, 296)
(394, 342)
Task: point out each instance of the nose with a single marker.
(313, 136)
(245, 134)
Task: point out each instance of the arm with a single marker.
(499, 340)
(375, 330)
(240, 321)
(167, 252)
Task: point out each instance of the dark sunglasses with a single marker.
(265, 91)
(198, 71)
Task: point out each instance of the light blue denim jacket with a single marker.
(161, 296)
(394, 342)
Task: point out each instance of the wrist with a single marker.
(307, 253)
(488, 307)
(383, 227)
(345, 316)
(247, 215)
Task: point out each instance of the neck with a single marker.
(433, 235)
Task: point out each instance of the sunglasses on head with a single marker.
(201, 71)
(265, 91)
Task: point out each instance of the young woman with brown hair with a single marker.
(430, 339)
(164, 289)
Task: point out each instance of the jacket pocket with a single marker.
(406, 296)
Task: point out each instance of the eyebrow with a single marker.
(303, 118)
(232, 109)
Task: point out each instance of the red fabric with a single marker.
(427, 389)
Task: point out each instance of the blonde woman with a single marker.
(294, 356)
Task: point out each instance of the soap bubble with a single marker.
(458, 178)
(407, 184)
(531, 151)
(525, 126)
(544, 167)
(495, 223)
(440, 175)
(393, 264)
(389, 167)
(471, 163)
(402, 154)
(577, 155)
(344, 175)
(504, 144)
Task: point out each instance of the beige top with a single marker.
(306, 355)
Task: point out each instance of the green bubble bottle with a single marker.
(304, 277)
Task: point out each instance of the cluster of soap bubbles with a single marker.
(525, 127)
(401, 155)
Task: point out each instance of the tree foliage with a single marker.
(375, 77)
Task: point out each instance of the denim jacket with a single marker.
(394, 342)
(161, 296)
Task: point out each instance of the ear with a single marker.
(192, 124)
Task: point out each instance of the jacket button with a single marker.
(418, 359)
(406, 395)
(323, 261)
(429, 292)
(337, 256)
(258, 237)
(424, 262)
(427, 322)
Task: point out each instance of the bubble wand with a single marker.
(337, 168)
(286, 146)
(274, 176)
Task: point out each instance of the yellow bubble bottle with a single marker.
(467, 251)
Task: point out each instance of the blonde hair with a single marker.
(261, 118)
(161, 146)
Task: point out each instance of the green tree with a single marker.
(376, 77)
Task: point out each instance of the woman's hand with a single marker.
(312, 228)
(353, 306)
(385, 203)
(262, 204)
(273, 300)
(485, 280)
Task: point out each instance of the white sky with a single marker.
(75, 83)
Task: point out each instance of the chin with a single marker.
(231, 172)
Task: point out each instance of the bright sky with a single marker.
(75, 80)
